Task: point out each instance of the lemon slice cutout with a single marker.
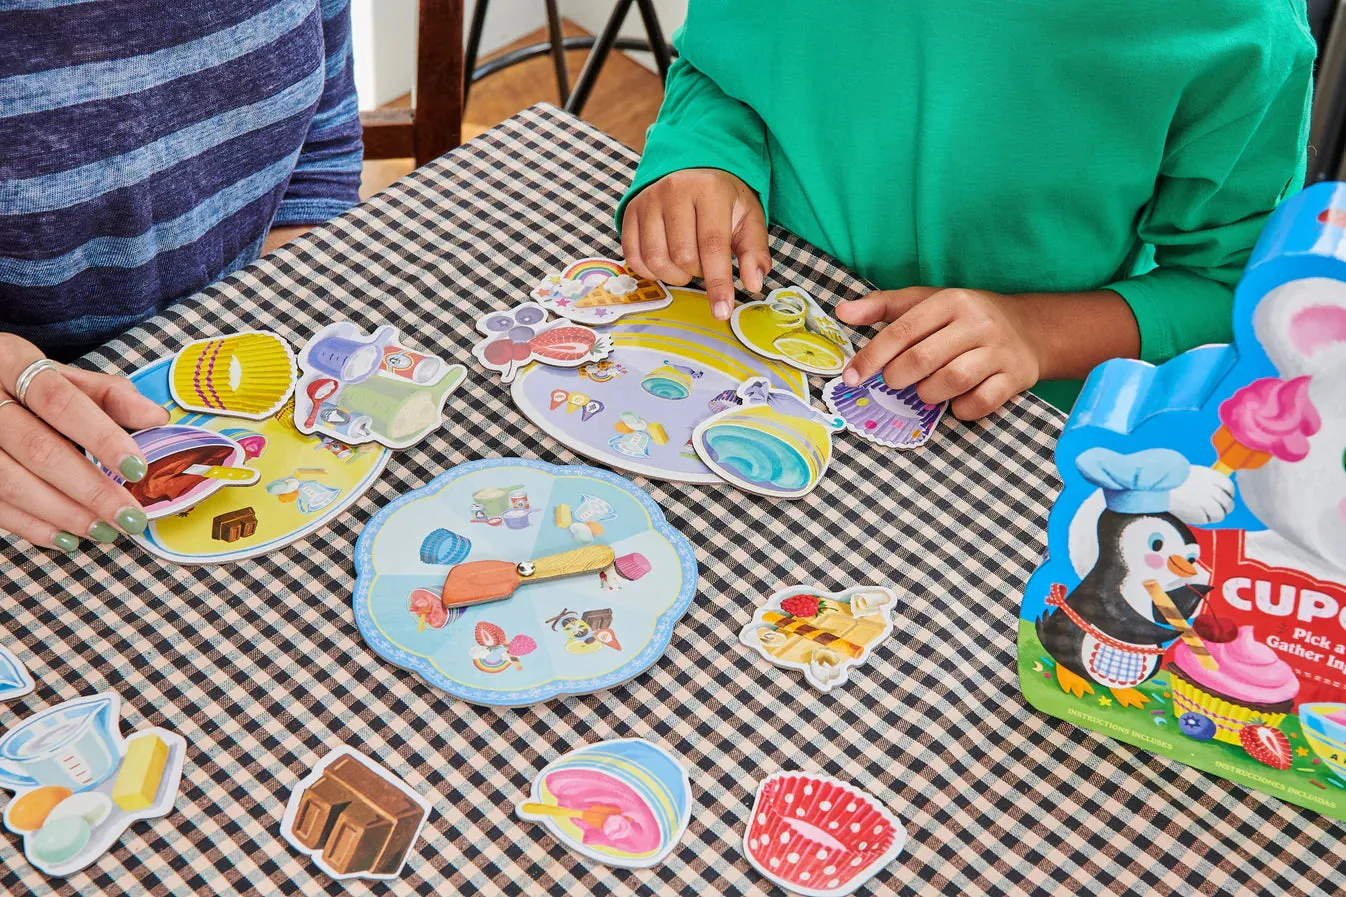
(811, 350)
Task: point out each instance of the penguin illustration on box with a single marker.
(1111, 629)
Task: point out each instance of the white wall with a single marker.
(592, 15)
(383, 33)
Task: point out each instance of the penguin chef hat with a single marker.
(1138, 483)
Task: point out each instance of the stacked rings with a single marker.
(25, 379)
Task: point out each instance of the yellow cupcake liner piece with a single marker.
(1229, 718)
(250, 374)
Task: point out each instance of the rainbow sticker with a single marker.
(599, 291)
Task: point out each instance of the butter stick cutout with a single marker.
(1174, 618)
(143, 766)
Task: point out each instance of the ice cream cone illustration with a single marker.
(1268, 417)
(248, 375)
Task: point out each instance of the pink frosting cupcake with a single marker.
(1251, 685)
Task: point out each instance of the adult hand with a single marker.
(966, 345)
(693, 223)
(49, 492)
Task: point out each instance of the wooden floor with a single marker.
(624, 101)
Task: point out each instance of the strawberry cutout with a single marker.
(804, 607)
(1266, 745)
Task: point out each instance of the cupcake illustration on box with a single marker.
(814, 835)
(1193, 598)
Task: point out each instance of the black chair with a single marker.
(1327, 132)
(599, 47)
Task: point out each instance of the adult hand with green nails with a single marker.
(50, 414)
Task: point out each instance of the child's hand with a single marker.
(966, 345)
(687, 224)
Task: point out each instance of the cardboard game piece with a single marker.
(603, 624)
(774, 443)
(187, 465)
(599, 291)
(522, 335)
(790, 326)
(249, 374)
(354, 817)
(15, 680)
(1193, 602)
(78, 784)
(823, 635)
(358, 388)
(894, 418)
(624, 802)
(817, 836)
(305, 481)
(635, 410)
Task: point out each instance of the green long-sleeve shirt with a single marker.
(1008, 145)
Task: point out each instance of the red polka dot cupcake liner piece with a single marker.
(818, 836)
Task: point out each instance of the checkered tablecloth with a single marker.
(259, 664)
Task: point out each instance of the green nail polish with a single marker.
(133, 520)
(132, 468)
(102, 532)
(66, 542)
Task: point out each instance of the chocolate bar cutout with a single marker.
(319, 808)
(357, 829)
(358, 840)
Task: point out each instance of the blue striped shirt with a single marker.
(147, 146)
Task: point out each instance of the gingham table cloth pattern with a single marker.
(259, 665)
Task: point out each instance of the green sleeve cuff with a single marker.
(1177, 309)
(699, 126)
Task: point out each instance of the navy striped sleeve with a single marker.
(326, 179)
(149, 145)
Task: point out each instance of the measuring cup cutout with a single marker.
(78, 784)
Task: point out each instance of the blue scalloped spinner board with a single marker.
(563, 637)
(1193, 598)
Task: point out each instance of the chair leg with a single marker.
(558, 51)
(584, 85)
(473, 46)
(655, 33)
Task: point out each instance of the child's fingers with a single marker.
(881, 305)
(631, 244)
(713, 217)
(910, 328)
(680, 229)
(961, 374)
(986, 398)
(654, 249)
(750, 246)
(931, 357)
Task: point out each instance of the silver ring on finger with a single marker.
(4, 402)
(27, 376)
